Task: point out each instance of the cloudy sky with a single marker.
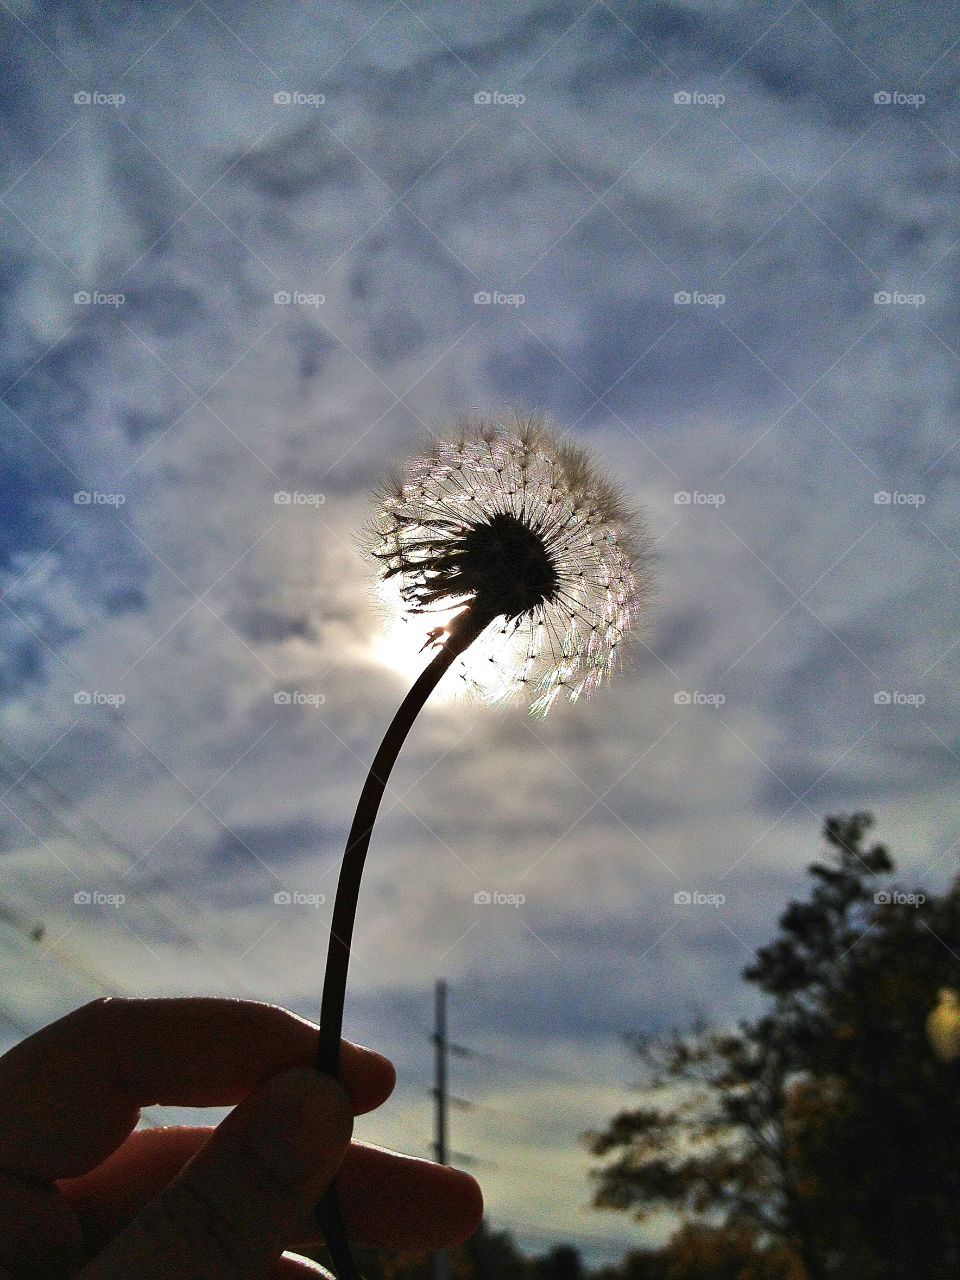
(242, 247)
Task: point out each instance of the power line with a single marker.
(462, 1157)
(550, 1073)
(462, 1104)
(37, 932)
(443, 1098)
(77, 826)
(69, 960)
(29, 781)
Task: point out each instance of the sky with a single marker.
(251, 251)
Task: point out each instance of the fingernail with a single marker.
(303, 1128)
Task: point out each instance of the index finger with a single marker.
(72, 1092)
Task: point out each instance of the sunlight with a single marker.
(399, 646)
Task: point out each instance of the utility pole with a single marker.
(440, 1259)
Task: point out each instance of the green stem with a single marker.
(463, 631)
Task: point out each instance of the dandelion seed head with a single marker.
(508, 520)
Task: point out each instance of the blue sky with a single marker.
(725, 238)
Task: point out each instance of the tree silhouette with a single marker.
(827, 1127)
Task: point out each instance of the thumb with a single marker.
(235, 1206)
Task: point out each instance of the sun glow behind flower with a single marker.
(403, 643)
(405, 646)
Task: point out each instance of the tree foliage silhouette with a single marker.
(827, 1127)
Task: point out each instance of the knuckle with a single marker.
(105, 1015)
(95, 1011)
(121, 1021)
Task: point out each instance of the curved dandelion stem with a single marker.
(463, 631)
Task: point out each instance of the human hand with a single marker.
(84, 1194)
